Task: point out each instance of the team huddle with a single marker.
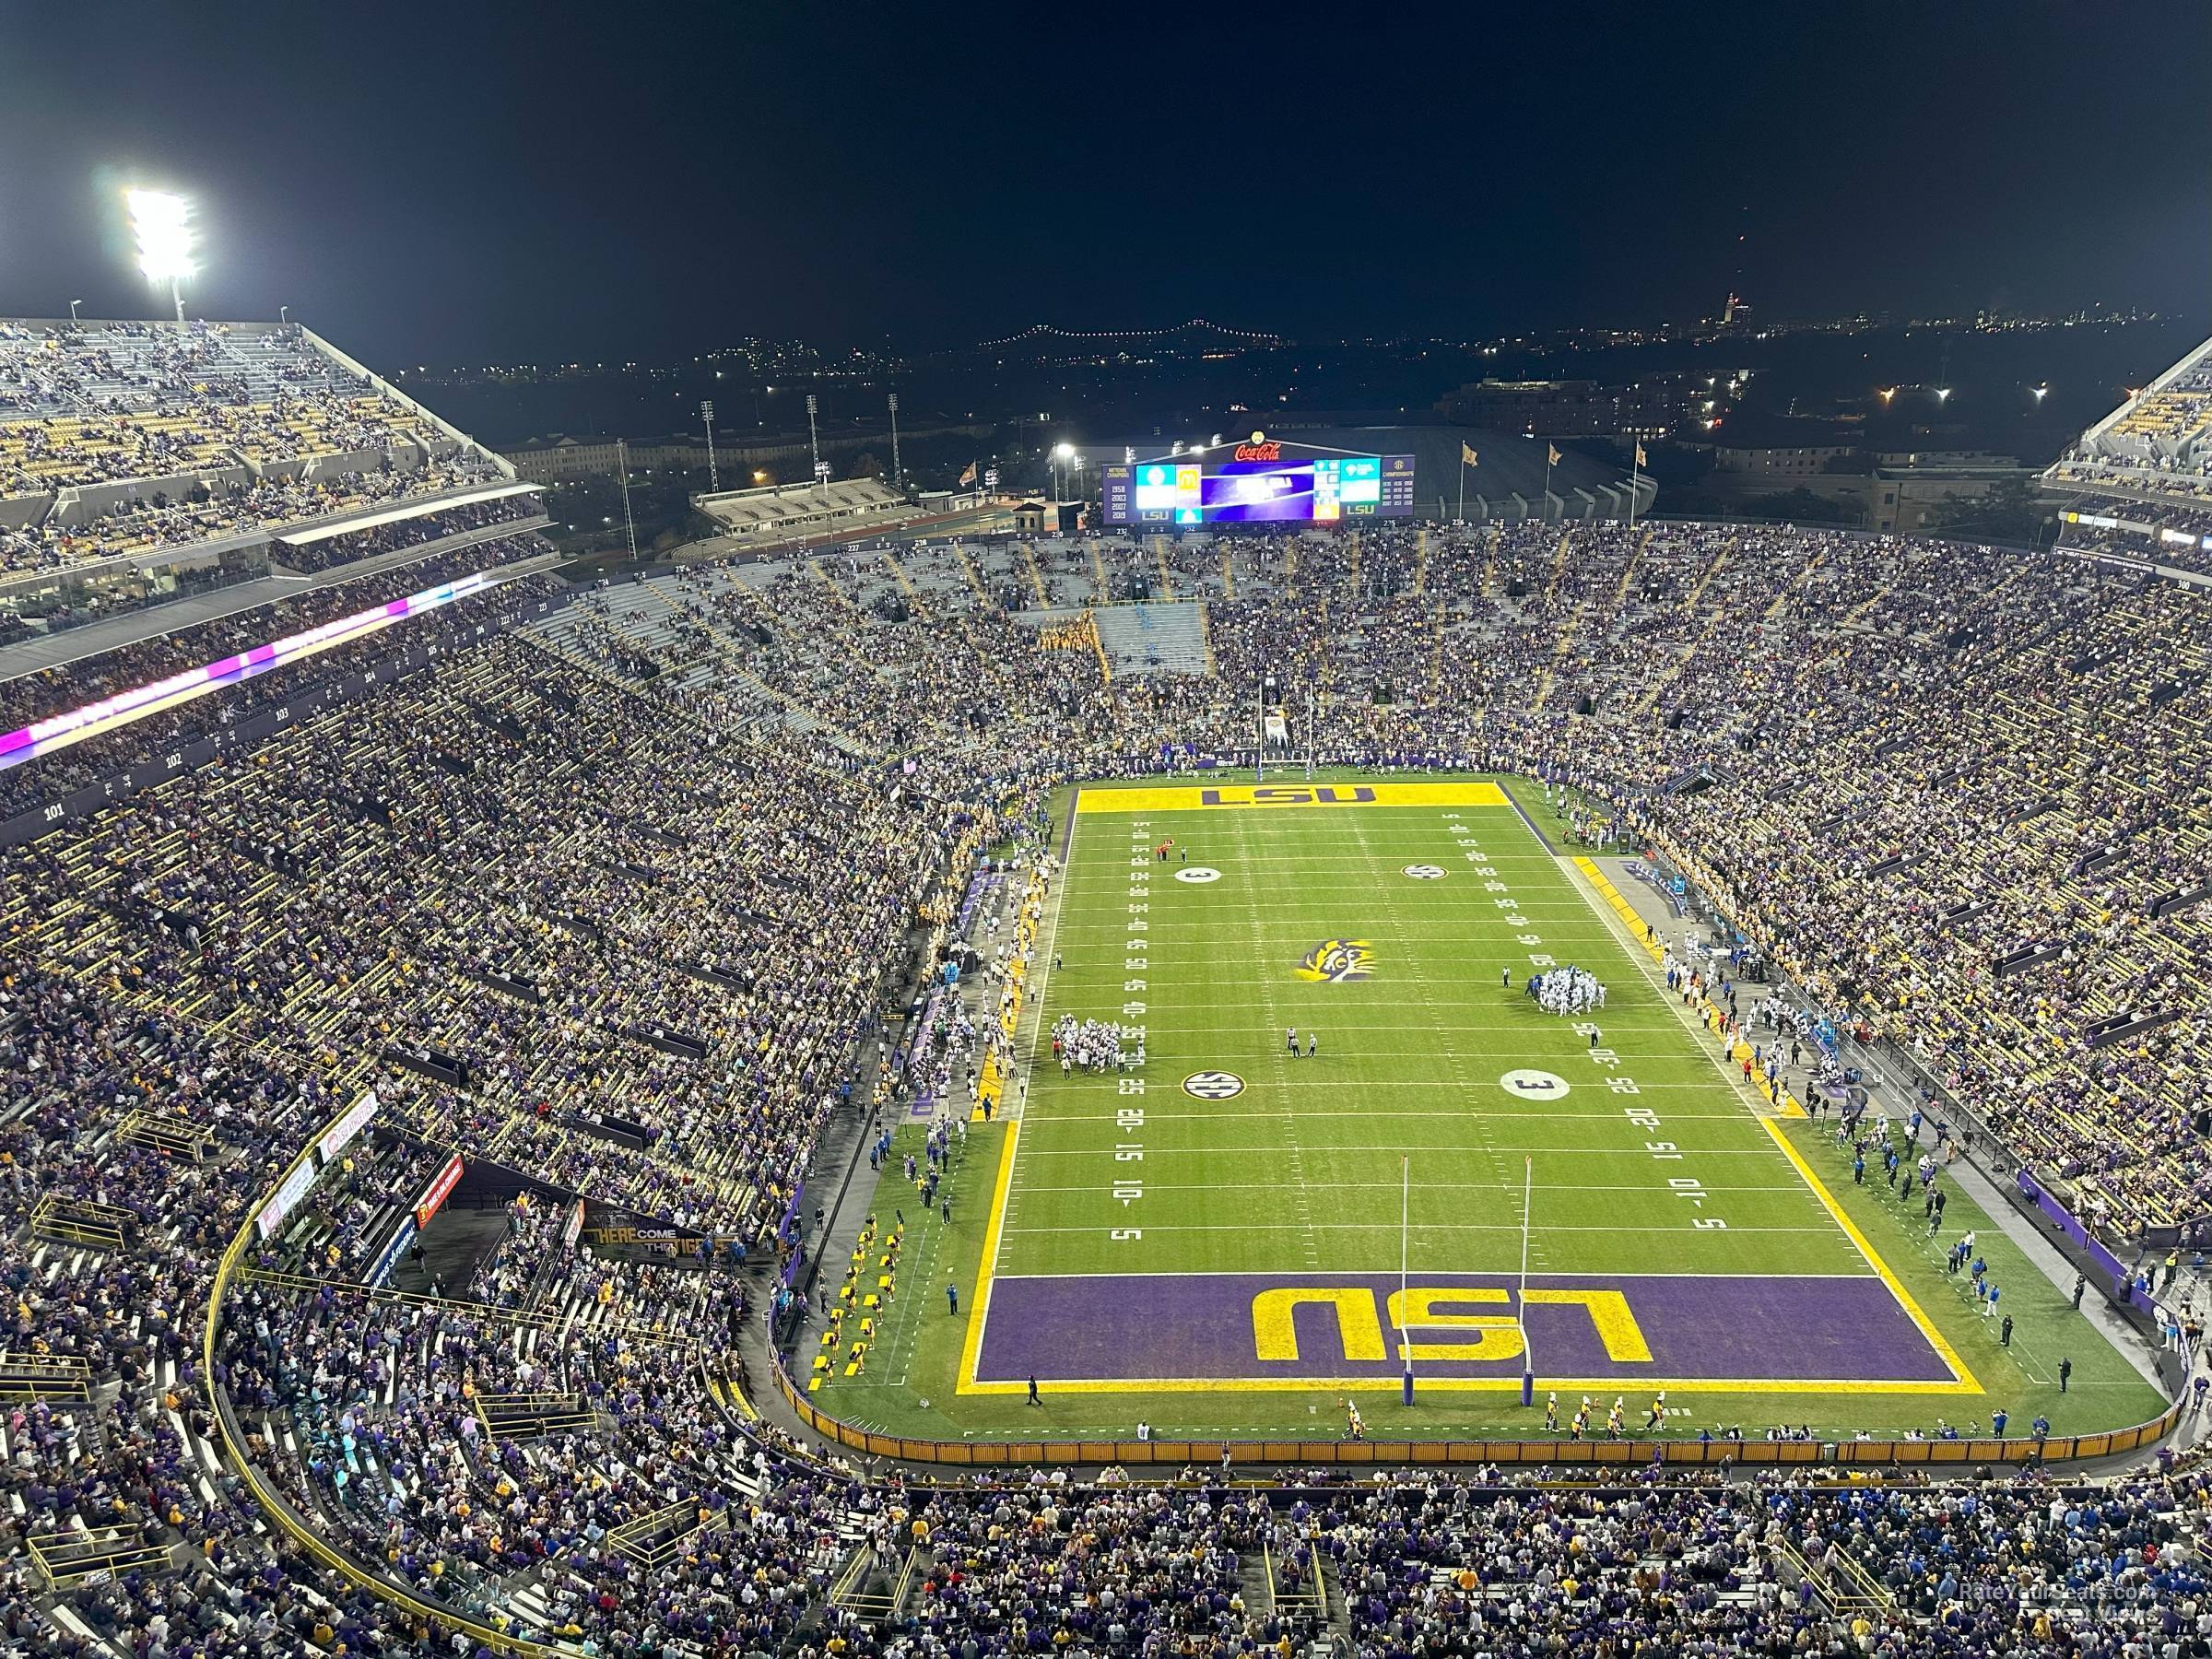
(1095, 1045)
(1566, 991)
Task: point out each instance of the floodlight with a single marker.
(162, 224)
(1064, 451)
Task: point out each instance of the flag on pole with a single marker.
(1551, 456)
(1466, 454)
(1640, 460)
(967, 478)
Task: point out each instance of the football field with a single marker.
(1264, 1197)
(1443, 1176)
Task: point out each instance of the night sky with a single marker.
(473, 183)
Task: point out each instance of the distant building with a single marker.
(1903, 501)
(559, 459)
(562, 457)
(1047, 518)
(1786, 460)
(1895, 490)
(1940, 459)
(1571, 408)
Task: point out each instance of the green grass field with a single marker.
(1213, 1244)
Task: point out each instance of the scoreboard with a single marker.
(1259, 483)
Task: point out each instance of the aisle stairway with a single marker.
(1154, 638)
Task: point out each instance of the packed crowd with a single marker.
(203, 513)
(327, 553)
(1793, 663)
(2158, 446)
(533, 887)
(35, 696)
(186, 433)
(2161, 532)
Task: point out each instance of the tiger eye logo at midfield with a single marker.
(1334, 959)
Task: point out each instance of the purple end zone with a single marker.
(1106, 1327)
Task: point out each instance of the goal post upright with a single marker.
(1405, 1232)
(1528, 1352)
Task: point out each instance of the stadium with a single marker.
(887, 1096)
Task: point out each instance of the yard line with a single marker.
(1302, 1200)
(1416, 1025)
(1392, 1227)
(1428, 1186)
(1437, 1083)
(1447, 1034)
(1152, 1153)
(1336, 925)
(1261, 1112)
(1412, 850)
(1392, 1266)
(1286, 915)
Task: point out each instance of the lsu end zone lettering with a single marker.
(1215, 797)
(1227, 1331)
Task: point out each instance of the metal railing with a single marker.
(31, 1378)
(977, 1454)
(80, 1222)
(1850, 1591)
(68, 1560)
(654, 1540)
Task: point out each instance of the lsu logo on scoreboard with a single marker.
(1336, 959)
(1290, 795)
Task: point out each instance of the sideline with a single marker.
(986, 1268)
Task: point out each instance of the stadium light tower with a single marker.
(162, 225)
(706, 413)
(629, 519)
(1061, 452)
(897, 472)
(814, 440)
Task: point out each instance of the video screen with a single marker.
(1277, 489)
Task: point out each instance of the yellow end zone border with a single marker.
(1487, 795)
(979, 1300)
(1781, 1099)
(1966, 1382)
(1204, 797)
